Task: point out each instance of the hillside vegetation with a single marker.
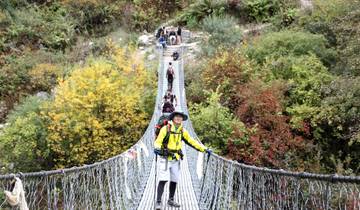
(69, 94)
(286, 97)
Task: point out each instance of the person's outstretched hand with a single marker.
(208, 151)
(157, 151)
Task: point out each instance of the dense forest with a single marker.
(287, 96)
(284, 96)
(71, 91)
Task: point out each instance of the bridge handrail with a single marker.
(302, 175)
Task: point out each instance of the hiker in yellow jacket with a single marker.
(168, 145)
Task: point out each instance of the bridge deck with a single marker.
(185, 193)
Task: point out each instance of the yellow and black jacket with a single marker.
(176, 136)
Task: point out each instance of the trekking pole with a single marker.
(1, 205)
(166, 164)
(203, 183)
(156, 157)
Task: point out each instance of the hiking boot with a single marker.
(172, 203)
(158, 205)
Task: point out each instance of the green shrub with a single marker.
(202, 9)
(15, 75)
(262, 10)
(147, 14)
(224, 32)
(337, 126)
(2, 44)
(93, 16)
(332, 9)
(305, 77)
(13, 4)
(297, 43)
(342, 34)
(285, 17)
(339, 22)
(145, 18)
(49, 26)
(347, 30)
(23, 140)
(191, 23)
(213, 123)
(21, 75)
(194, 83)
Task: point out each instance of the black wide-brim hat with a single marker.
(172, 115)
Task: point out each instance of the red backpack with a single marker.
(164, 121)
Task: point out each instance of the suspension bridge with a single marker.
(126, 181)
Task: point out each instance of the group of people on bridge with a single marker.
(169, 143)
(170, 36)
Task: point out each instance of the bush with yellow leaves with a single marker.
(97, 112)
(44, 76)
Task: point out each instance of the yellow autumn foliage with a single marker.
(44, 76)
(96, 112)
(2, 16)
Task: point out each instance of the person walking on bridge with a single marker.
(179, 35)
(170, 75)
(168, 146)
(170, 97)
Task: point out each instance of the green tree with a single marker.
(305, 76)
(23, 140)
(337, 126)
(48, 26)
(224, 33)
(27, 74)
(262, 10)
(339, 22)
(194, 83)
(201, 9)
(297, 43)
(213, 122)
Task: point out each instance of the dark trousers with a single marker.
(170, 84)
(160, 190)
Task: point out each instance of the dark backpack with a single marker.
(175, 55)
(158, 34)
(168, 107)
(170, 73)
